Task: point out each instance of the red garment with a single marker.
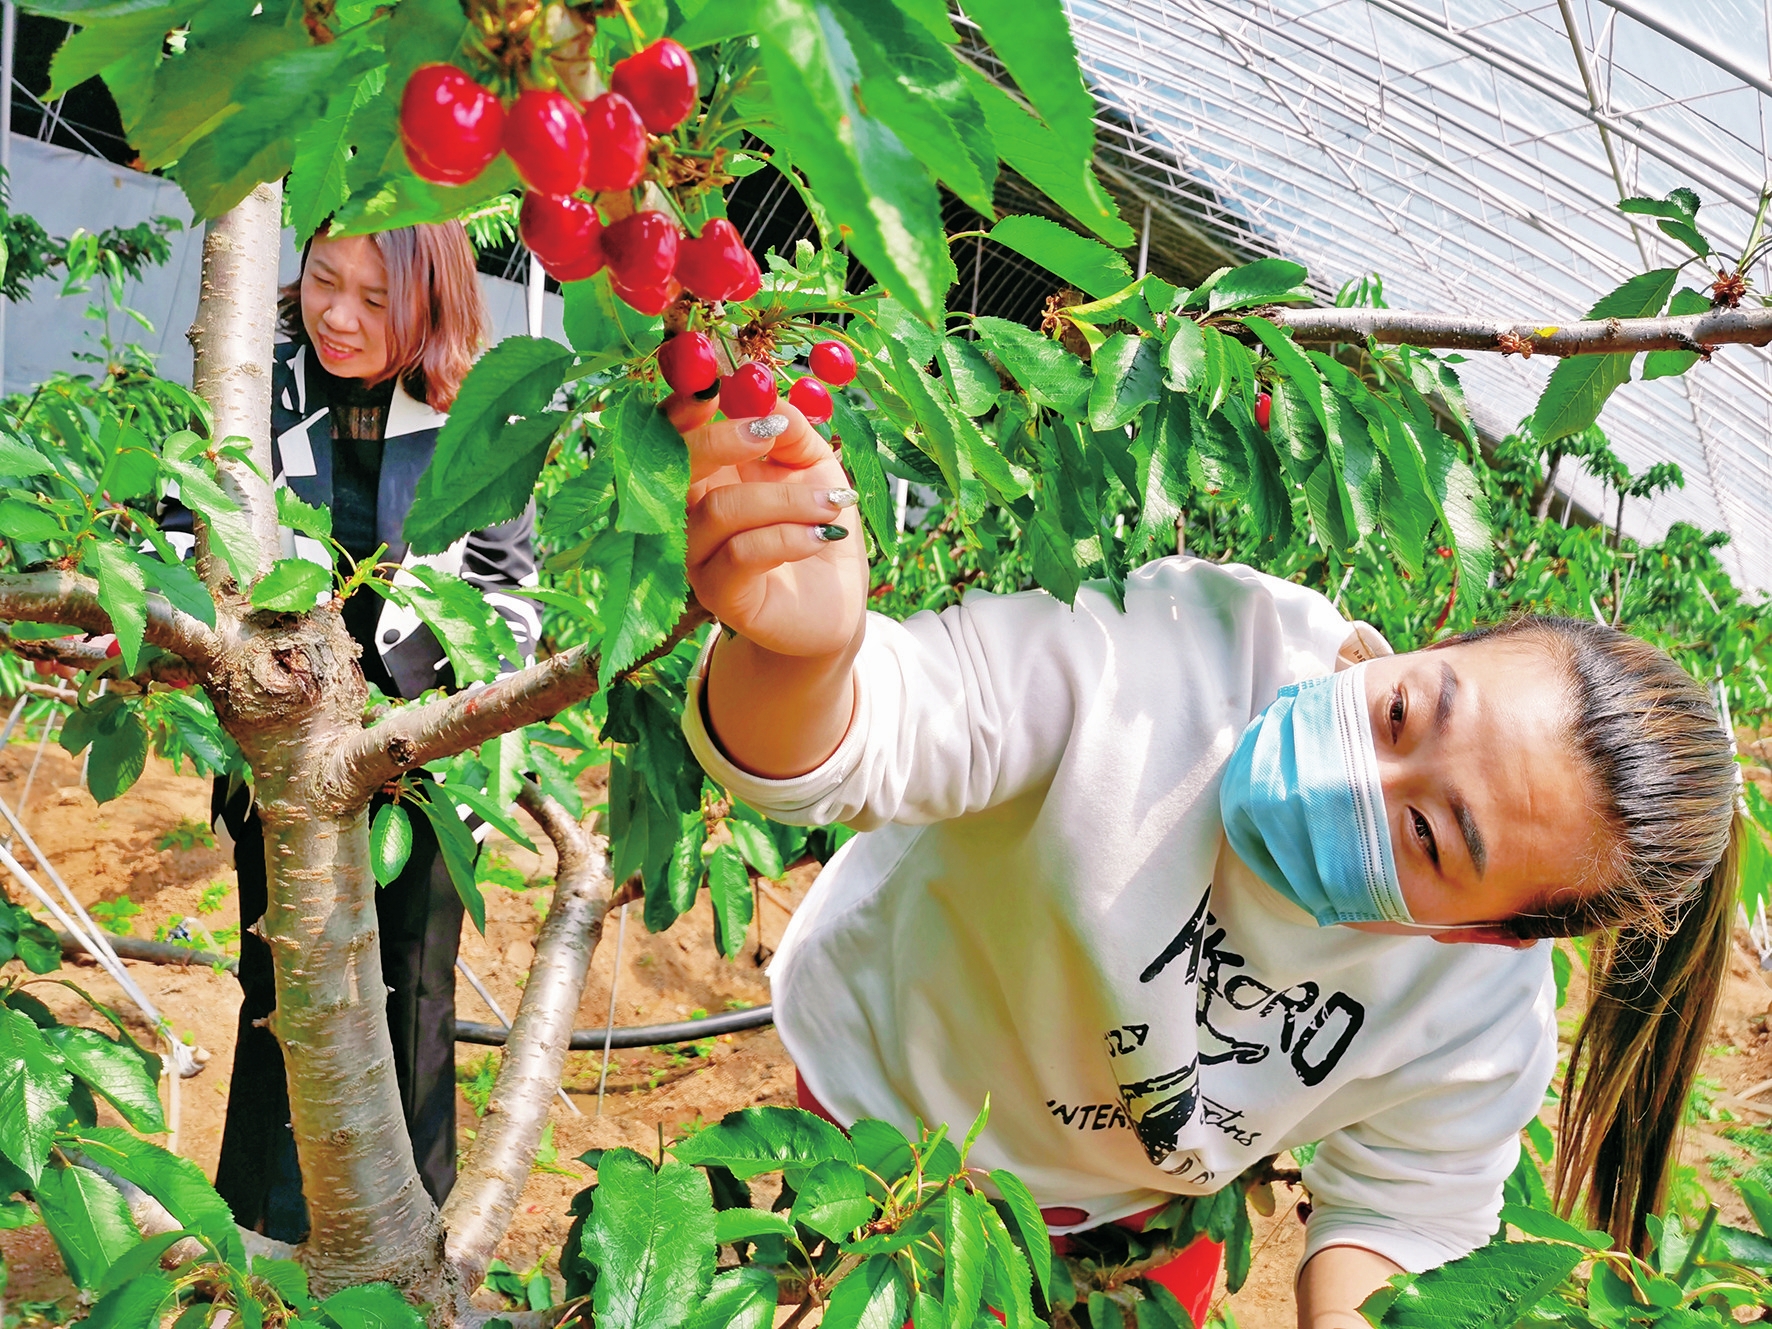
(1191, 1275)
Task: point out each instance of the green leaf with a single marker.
(651, 468)
(123, 595)
(456, 843)
(833, 1200)
(967, 1247)
(287, 1277)
(860, 456)
(601, 325)
(1680, 205)
(1030, 1226)
(881, 1148)
(488, 811)
(1494, 1287)
(865, 175)
(645, 588)
(1033, 40)
(20, 459)
(292, 586)
(1670, 364)
(116, 1070)
(1160, 451)
(752, 840)
(1048, 161)
(303, 517)
(473, 634)
(1580, 384)
(1162, 1309)
(179, 584)
(390, 842)
(141, 1260)
(176, 1182)
(651, 1236)
(729, 887)
(34, 1087)
(873, 1296)
(1051, 375)
(742, 1298)
(1086, 264)
(1127, 379)
(969, 376)
(1009, 1279)
(136, 1304)
(765, 1139)
(369, 1306)
(1549, 1227)
(484, 469)
(318, 181)
(20, 520)
(735, 1225)
(88, 1218)
(1264, 282)
(119, 754)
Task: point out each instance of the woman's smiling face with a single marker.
(1488, 808)
(344, 306)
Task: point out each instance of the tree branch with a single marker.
(84, 653)
(153, 1218)
(492, 1175)
(232, 340)
(1702, 333)
(433, 730)
(68, 597)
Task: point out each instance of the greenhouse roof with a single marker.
(1472, 154)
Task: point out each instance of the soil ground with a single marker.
(151, 847)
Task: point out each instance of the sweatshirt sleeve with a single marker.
(954, 712)
(1419, 1179)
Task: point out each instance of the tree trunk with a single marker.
(1545, 495)
(231, 339)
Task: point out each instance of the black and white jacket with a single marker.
(498, 559)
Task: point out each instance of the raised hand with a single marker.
(775, 545)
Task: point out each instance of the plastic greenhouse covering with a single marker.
(1472, 153)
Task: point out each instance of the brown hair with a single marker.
(437, 318)
(1664, 780)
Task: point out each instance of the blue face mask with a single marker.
(1303, 806)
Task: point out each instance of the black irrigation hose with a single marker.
(634, 1036)
(468, 1031)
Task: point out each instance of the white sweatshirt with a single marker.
(1042, 909)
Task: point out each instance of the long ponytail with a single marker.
(1631, 1068)
(1660, 906)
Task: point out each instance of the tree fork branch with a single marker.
(68, 597)
(434, 730)
(153, 1218)
(479, 1209)
(1702, 333)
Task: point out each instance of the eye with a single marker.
(1424, 835)
(1396, 713)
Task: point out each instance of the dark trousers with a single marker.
(419, 916)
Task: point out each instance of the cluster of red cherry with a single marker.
(690, 365)
(453, 127)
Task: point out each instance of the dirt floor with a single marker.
(152, 848)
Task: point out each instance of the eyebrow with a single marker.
(1448, 695)
(1467, 827)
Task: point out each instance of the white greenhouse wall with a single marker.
(66, 190)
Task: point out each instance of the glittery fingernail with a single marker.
(841, 498)
(768, 426)
(831, 532)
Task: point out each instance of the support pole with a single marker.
(8, 53)
(537, 289)
(1144, 243)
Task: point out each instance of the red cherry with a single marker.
(112, 649)
(716, 265)
(641, 249)
(688, 364)
(748, 391)
(563, 234)
(546, 140)
(617, 144)
(650, 299)
(833, 362)
(812, 399)
(1264, 409)
(660, 82)
(450, 126)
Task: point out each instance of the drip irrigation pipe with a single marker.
(635, 1036)
(468, 1031)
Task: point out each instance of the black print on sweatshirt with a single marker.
(1089, 1116)
(1315, 1046)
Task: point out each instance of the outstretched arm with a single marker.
(1335, 1281)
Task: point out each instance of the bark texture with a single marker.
(68, 597)
(1454, 332)
(492, 1175)
(232, 338)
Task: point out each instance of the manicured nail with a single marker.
(768, 426)
(841, 498)
(832, 532)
